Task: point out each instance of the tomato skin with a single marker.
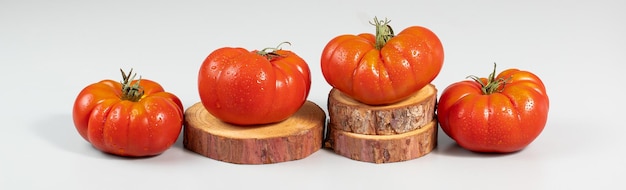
(504, 121)
(147, 127)
(244, 88)
(404, 65)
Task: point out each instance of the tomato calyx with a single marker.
(270, 52)
(131, 92)
(492, 84)
(384, 32)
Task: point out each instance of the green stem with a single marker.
(493, 85)
(384, 32)
(131, 92)
(270, 52)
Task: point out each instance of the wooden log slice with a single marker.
(412, 113)
(383, 148)
(292, 139)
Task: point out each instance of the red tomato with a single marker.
(384, 68)
(253, 87)
(502, 113)
(131, 118)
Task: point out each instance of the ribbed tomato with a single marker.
(384, 68)
(502, 113)
(128, 118)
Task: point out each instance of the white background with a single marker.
(50, 50)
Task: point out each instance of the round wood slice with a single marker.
(412, 113)
(383, 148)
(292, 139)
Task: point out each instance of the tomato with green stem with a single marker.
(502, 113)
(253, 87)
(383, 68)
(129, 118)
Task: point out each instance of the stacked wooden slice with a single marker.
(382, 134)
(292, 139)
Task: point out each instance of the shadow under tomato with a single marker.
(179, 141)
(59, 131)
(448, 147)
(458, 151)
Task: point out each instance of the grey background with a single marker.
(50, 50)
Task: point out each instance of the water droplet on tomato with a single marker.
(262, 76)
(218, 106)
(213, 67)
(406, 64)
(415, 53)
(159, 119)
(530, 104)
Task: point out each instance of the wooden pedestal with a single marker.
(381, 134)
(292, 139)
